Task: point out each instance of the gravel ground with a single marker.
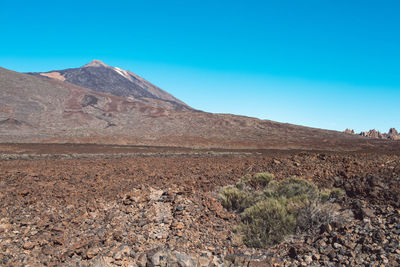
(162, 210)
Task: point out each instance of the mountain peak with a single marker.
(96, 63)
(101, 77)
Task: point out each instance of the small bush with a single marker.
(257, 181)
(273, 185)
(269, 193)
(263, 178)
(240, 185)
(331, 195)
(271, 210)
(296, 186)
(266, 223)
(246, 177)
(233, 198)
(325, 195)
(297, 203)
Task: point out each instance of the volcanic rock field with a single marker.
(160, 207)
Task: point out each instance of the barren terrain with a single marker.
(151, 205)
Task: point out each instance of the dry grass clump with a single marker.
(271, 210)
(315, 215)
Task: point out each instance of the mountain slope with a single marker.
(39, 109)
(103, 78)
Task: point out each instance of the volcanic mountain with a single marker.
(103, 78)
(106, 105)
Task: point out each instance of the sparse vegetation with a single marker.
(266, 222)
(325, 195)
(233, 198)
(297, 187)
(263, 178)
(271, 210)
(331, 194)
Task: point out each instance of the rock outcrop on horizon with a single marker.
(392, 134)
(349, 131)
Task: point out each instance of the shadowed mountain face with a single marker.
(36, 108)
(103, 78)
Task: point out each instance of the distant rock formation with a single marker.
(373, 134)
(393, 131)
(391, 135)
(349, 131)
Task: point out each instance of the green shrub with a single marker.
(273, 185)
(325, 195)
(271, 210)
(293, 187)
(263, 178)
(244, 182)
(257, 181)
(297, 203)
(331, 195)
(233, 198)
(246, 178)
(269, 193)
(240, 185)
(265, 223)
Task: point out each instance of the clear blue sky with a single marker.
(322, 63)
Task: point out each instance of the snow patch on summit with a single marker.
(122, 72)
